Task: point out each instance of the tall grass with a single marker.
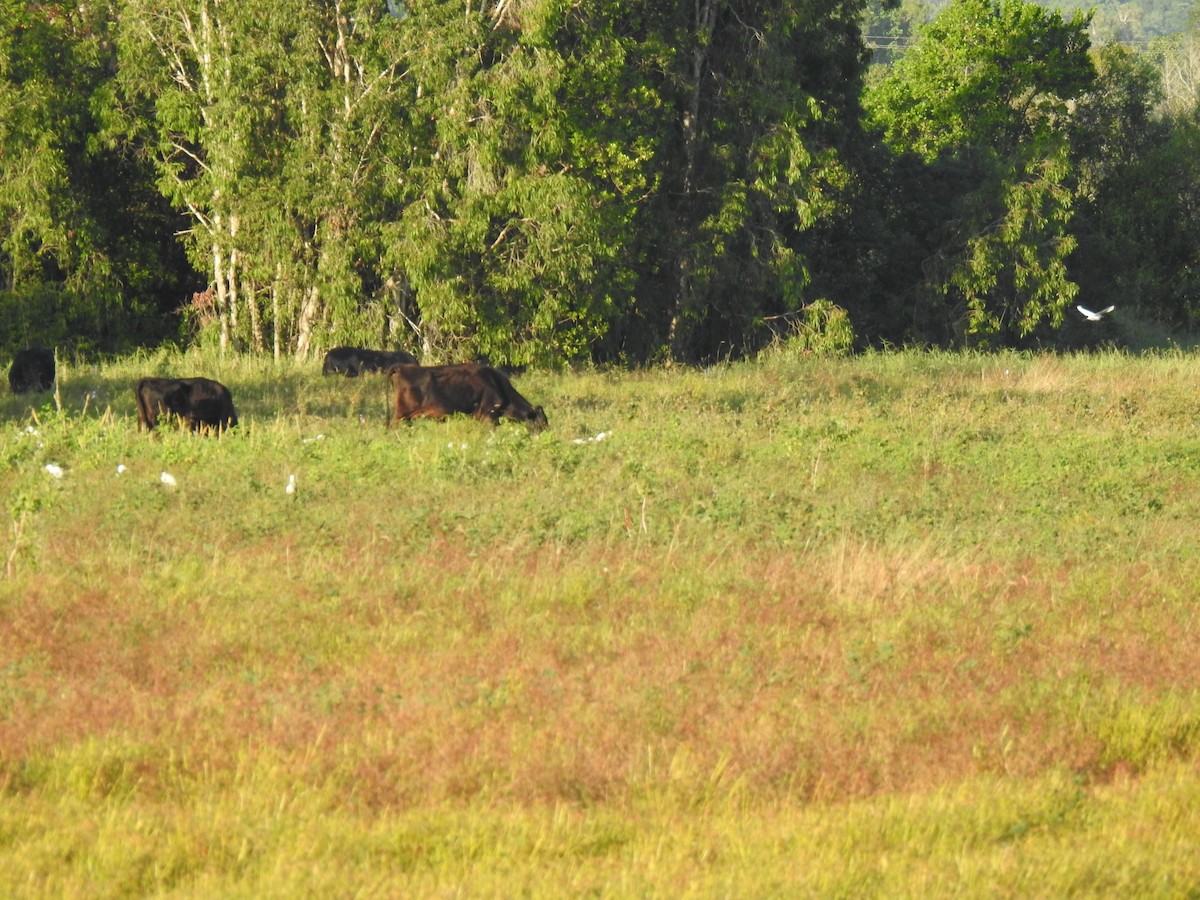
(898, 623)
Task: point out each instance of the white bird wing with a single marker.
(1087, 312)
(1107, 310)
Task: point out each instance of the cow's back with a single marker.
(211, 404)
(341, 361)
(382, 360)
(200, 402)
(353, 361)
(468, 388)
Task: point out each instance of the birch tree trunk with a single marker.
(308, 317)
(233, 274)
(276, 325)
(256, 331)
(222, 296)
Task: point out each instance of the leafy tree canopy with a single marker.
(985, 73)
(984, 101)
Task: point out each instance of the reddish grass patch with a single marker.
(530, 675)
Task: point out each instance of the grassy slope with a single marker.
(903, 623)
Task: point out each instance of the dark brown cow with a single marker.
(32, 370)
(479, 391)
(353, 361)
(199, 402)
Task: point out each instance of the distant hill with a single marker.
(1133, 23)
(890, 30)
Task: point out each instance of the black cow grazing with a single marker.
(32, 370)
(199, 402)
(353, 361)
(479, 391)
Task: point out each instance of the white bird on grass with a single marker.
(591, 440)
(291, 485)
(54, 470)
(1095, 316)
(168, 479)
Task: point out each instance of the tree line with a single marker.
(540, 181)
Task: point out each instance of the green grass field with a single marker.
(898, 625)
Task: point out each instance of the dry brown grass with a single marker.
(537, 677)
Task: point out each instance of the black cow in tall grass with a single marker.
(32, 370)
(469, 388)
(200, 403)
(353, 361)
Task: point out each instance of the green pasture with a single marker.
(901, 624)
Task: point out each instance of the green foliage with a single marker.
(985, 74)
(1137, 223)
(890, 27)
(267, 126)
(544, 227)
(983, 98)
(511, 249)
(545, 183)
(1022, 255)
(767, 99)
(820, 328)
(70, 273)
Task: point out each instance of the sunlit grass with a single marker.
(893, 624)
(259, 834)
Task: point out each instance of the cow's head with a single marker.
(533, 416)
